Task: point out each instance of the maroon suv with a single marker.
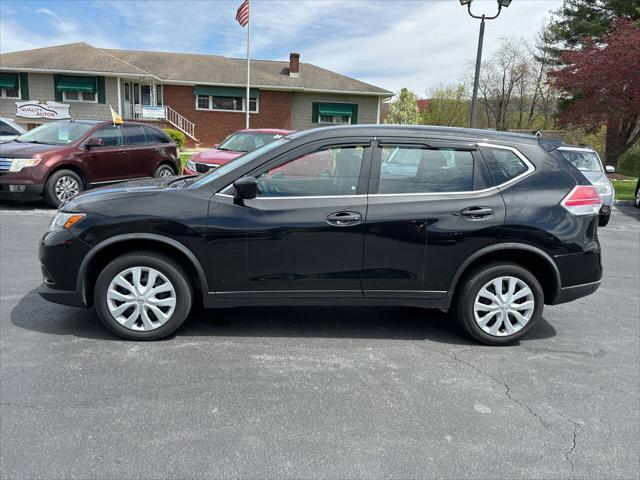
(61, 159)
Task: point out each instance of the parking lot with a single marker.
(318, 392)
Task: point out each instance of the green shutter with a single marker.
(354, 115)
(24, 86)
(315, 108)
(102, 93)
(57, 92)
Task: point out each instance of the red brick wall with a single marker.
(212, 127)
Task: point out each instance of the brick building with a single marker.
(202, 95)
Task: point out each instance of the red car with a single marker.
(237, 144)
(61, 159)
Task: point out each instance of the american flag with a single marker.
(242, 15)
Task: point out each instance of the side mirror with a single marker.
(610, 169)
(94, 142)
(246, 188)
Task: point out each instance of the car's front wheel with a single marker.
(499, 303)
(62, 186)
(164, 171)
(143, 296)
(637, 197)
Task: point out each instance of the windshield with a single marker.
(238, 162)
(248, 141)
(583, 160)
(56, 133)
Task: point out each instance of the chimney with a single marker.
(294, 64)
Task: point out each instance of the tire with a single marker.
(468, 292)
(130, 323)
(164, 171)
(636, 200)
(61, 186)
(603, 220)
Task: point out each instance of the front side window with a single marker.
(415, 169)
(110, 136)
(233, 104)
(56, 133)
(134, 135)
(503, 164)
(70, 96)
(328, 172)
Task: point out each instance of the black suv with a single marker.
(488, 225)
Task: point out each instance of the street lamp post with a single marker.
(476, 79)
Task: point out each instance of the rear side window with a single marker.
(413, 169)
(7, 129)
(157, 136)
(134, 135)
(503, 164)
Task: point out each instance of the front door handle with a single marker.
(476, 213)
(344, 219)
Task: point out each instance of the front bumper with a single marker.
(21, 192)
(61, 255)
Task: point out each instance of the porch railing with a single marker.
(180, 122)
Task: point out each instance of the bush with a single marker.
(629, 162)
(176, 135)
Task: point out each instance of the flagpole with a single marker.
(248, 100)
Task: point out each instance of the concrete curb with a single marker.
(623, 203)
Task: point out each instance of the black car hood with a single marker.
(27, 150)
(118, 191)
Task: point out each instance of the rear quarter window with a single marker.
(503, 164)
(157, 136)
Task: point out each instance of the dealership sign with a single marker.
(153, 112)
(51, 110)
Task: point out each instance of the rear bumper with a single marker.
(568, 294)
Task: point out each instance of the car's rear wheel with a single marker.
(143, 296)
(603, 220)
(164, 171)
(637, 198)
(499, 303)
(62, 186)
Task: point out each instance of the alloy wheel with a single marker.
(141, 298)
(503, 306)
(66, 188)
(165, 172)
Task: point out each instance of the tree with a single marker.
(404, 110)
(601, 83)
(580, 21)
(448, 106)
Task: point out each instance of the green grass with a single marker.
(625, 189)
(183, 159)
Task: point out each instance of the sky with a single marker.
(389, 43)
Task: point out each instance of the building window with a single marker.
(335, 119)
(70, 96)
(225, 104)
(9, 85)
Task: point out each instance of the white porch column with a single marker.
(378, 114)
(119, 98)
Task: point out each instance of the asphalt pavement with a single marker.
(305, 393)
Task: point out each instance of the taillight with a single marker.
(583, 200)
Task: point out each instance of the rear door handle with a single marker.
(344, 219)
(477, 212)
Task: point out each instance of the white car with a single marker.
(9, 130)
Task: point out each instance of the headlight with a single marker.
(191, 165)
(18, 164)
(65, 220)
(604, 189)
